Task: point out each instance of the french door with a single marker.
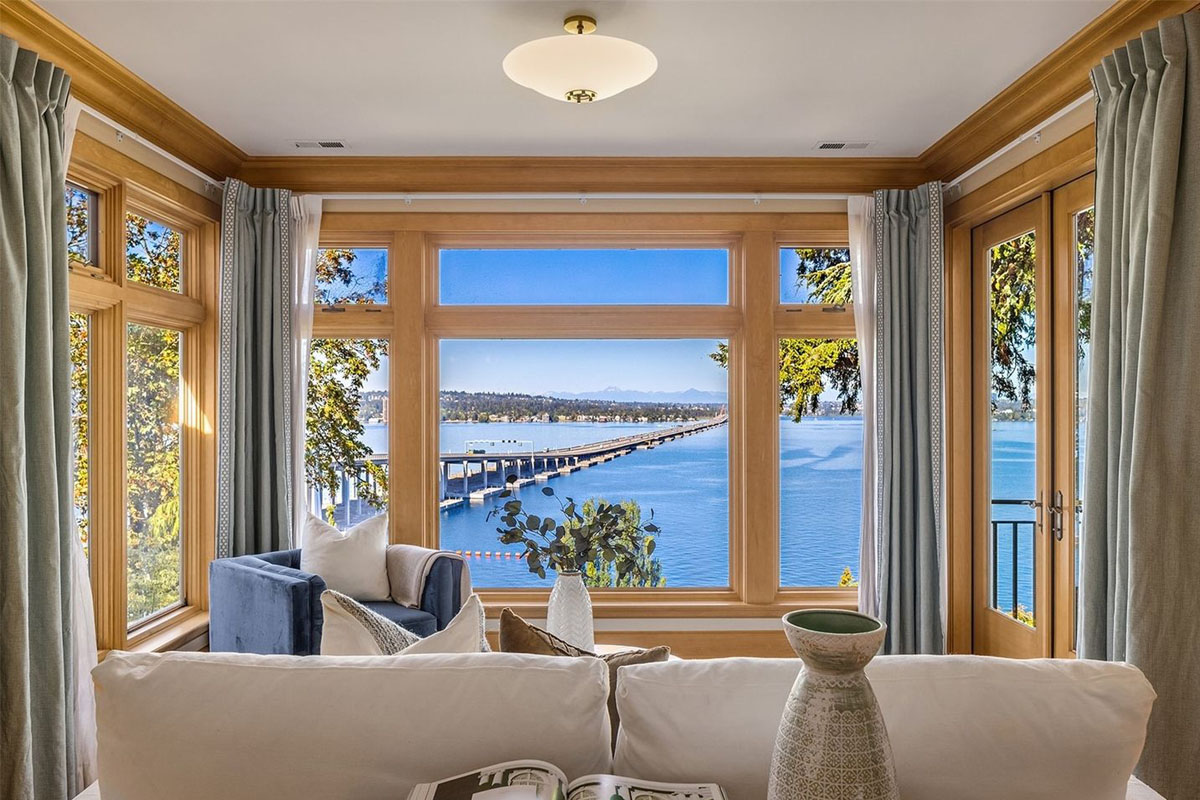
(1030, 326)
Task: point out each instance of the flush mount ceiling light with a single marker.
(581, 67)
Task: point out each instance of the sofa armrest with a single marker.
(442, 596)
(260, 607)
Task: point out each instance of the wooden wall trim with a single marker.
(99, 81)
(571, 175)
(112, 89)
(1056, 165)
(1052, 84)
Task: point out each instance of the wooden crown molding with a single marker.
(1051, 85)
(101, 82)
(592, 174)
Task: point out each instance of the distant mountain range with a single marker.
(616, 394)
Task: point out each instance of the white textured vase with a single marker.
(832, 742)
(569, 614)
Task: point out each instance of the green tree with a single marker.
(153, 430)
(598, 573)
(77, 342)
(338, 371)
(810, 367)
(1013, 301)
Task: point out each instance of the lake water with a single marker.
(686, 483)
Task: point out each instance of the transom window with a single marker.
(352, 275)
(81, 225)
(583, 276)
(153, 253)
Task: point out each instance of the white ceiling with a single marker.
(750, 78)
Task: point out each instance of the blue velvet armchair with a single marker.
(266, 604)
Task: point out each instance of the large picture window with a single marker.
(640, 422)
(654, 363)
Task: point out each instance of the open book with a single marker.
(537, 780)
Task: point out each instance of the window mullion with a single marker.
(759, 423)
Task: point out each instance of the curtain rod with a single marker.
(1029, 134)
(122, 131)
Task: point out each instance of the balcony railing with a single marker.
(1007, 562)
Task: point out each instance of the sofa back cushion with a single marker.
(963, 727)
(198, 726)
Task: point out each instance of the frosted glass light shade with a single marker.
(558, 65)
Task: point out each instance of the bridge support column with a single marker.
(466, 478)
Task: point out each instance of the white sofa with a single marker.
(193, 726)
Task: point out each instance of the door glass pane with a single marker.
(346, 444)
(1013, 328)
(814, 275)
(1085, 238)
(352, 276)
(153, 253)
(820, 462)
(583, 277)
(637, 423)
(80, 346)
(154, 463)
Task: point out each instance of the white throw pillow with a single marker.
(353, 562)
(962, 727)
(345, 633)
(234, 726)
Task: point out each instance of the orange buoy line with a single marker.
(484, 553)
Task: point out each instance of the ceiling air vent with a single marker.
(321, 144)
(832, 145)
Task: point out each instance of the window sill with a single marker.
(171, 632)
(672, 604)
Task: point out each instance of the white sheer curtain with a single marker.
(306, 227)
(861, 211)
(83, 616)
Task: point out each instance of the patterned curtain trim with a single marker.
(225, 360)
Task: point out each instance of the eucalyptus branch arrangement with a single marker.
(594, 533)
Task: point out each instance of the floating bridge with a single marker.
(476, 475)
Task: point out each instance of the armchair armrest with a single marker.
(256, 606)
(443, 595)
(435, 581)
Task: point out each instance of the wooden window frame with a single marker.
(753, 321)
(112, 302)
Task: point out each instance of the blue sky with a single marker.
(578, 277)
(580, 365)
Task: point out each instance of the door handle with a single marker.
(1056, 515)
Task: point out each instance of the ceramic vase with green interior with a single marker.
(832, 742)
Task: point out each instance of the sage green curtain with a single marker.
(255, 446)
(909, 356)
(1141, 513)
(37, 757)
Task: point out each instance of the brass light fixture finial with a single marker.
(579, 24)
